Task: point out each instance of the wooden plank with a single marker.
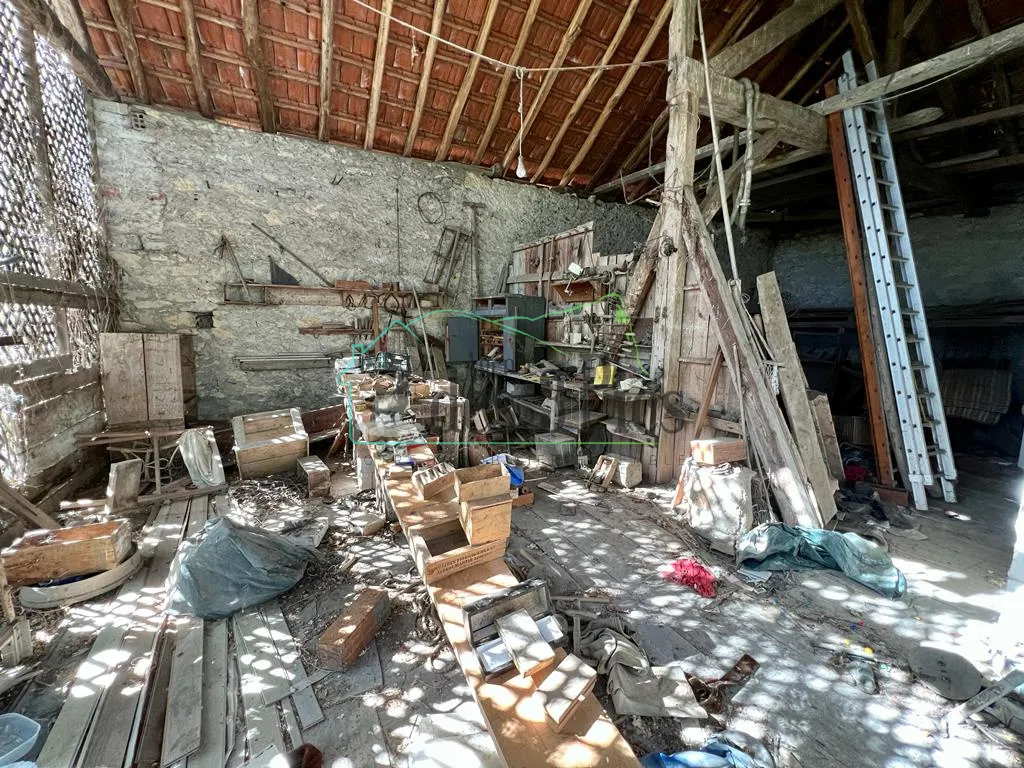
(506, 81)
(826, 427)
(17, 288)
(163, 377)
(623, 85)
(799, 126)
(117, 718)
(17, 504)
(38, 390)
(188, 23)
(793, 384)
(40, 15)
(213, 738)
(123, 485)
(964, 122)
(347, 637)
(584, 92)
(261, 655)
(861, 30)
(253, 45)
(183, 723)
(44, 555)
(122, 371)
(379, 59)
(428, 65)
(482, 35)
(859, 289)
(121, 13)
(571, 33)
(975, 52)
(767, 430)
(521, 635)
(737, 57)
(262, 729)
(564, 689)
(709, 392)
(326, 68)
(307, 708)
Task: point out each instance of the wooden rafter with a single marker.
(916, 14)
(83, 63)
(257, 65)
(571, 33)
(620, 90)
(581, 97)
(1001, 83)
(467, 82)
(826, 75)
(323, 128)
(975, 52)
(894, 36)
(428, 65)
(735, 58)
(195, 66)
(653, 134)
(861, 30)
(812, 59)
(380, 56)
(735, 24)
(120, 12)
(506, 80)
(782, 53)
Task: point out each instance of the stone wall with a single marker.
(173, 187)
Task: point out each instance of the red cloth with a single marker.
(692, 573)
(855, 473)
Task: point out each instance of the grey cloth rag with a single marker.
(636, 687)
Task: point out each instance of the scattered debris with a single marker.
(692, 573)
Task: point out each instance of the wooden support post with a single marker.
(121, 13)
(323, 129)
(428, 65)
(861, 30)
(894, 37)
(253, 45)
(379, 59)
(858, 285)
(188, 23)
(39, 15)
(793, 384)
(462, 96)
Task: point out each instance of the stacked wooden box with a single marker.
(480, 530)
(269, 442)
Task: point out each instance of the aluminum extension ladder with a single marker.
(894, 281)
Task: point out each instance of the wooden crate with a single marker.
(346, 638)
(718, 450)
(316, 475)
(64, 552)
(487, 519)
(441, 549)
(481, 482)
(269, 442)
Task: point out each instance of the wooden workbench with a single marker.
(511, 709)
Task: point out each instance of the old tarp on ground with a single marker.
(781, 547)
(232, 567)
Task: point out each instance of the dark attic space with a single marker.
(448, 384)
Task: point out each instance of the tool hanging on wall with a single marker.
(285, 249)
(224, 248)
(448, 256)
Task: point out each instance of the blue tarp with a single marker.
(781, 547)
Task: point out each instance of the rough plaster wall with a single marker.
(960, 261)
(174, 187)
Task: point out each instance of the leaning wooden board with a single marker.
(511, 708)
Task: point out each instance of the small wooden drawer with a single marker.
(487, 519)
(441, 549)
(481, 482)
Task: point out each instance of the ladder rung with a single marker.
(919, 366)
(883, 158)
(894, 232)
(900, 259)
(909, 312)
(914, 340)
(889, 208)
(904, 285)
(934, 450)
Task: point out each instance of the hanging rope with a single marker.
(751, 95)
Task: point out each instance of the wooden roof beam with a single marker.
(84, 64)
(506, 80)
(581, 97)
(620, 90)
(735, 24)
(862, 38)
(1001, 83)
(812, 59)
(121, 13)
(571, 33)
(428, 65)
(379, 59)
(915, 15)
(799, 126)
(894, 36)
(736, 58)
(188, 14)
(257, 65)
(323, 128)
(467, 82)
(968, 55)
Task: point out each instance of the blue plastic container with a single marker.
(18, 735)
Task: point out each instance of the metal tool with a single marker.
(894, 281)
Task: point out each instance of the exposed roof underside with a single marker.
(585, 146)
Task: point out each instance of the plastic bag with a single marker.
(231, 567)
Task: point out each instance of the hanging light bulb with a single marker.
(521, 168)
